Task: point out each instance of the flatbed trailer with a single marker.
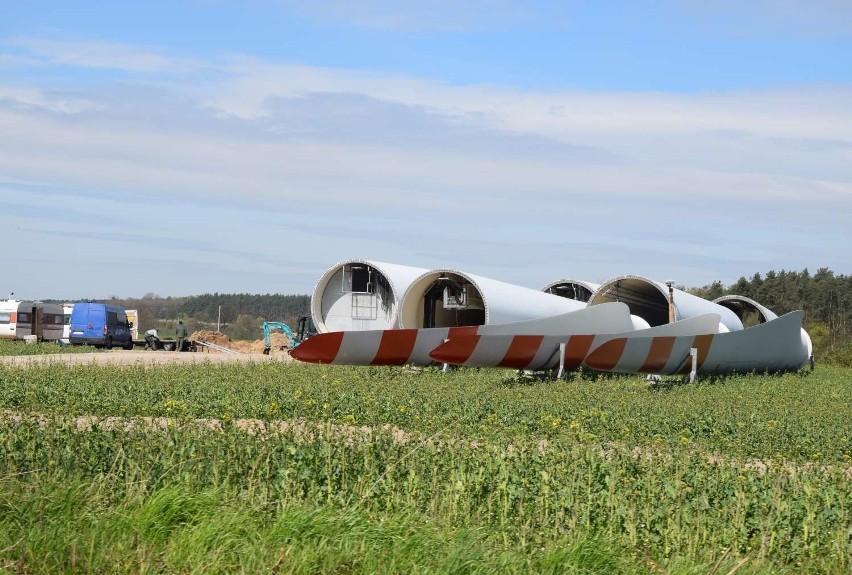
(167, 344)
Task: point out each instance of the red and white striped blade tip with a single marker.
(321, 348)
(455, 351)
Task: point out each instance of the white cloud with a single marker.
(107, 55)
(442, 172)
(819, 113)
(13, 61)
(30, 97)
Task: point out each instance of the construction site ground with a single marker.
(250, 351)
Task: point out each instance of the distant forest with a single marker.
(239, 316)
(825, 297)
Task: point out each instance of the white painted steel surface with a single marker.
(649, 299)
(807, 343)
(334, 309)
(502, 302)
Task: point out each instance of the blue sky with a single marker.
(191, 147)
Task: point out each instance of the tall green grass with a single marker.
(667, 504)
(800, 417)
(20, 347)
(563, 477)
(80, 527)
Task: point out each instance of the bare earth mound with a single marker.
(213, 337)
(279, 340)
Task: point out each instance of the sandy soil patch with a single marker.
(249, 351)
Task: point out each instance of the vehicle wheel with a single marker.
(108, 343)
(128, 346)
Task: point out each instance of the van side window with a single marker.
(112, 318)
(5, 317)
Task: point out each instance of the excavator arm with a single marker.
(306, 330)
(268, 326)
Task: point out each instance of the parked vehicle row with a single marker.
(81, 323)
(24, 319)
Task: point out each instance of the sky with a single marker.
(200, 146)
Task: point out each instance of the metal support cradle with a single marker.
(223, 349)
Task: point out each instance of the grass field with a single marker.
(293, 468)
(18, 347)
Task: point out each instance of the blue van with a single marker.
(100, 325)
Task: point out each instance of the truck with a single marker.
(100, 325)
